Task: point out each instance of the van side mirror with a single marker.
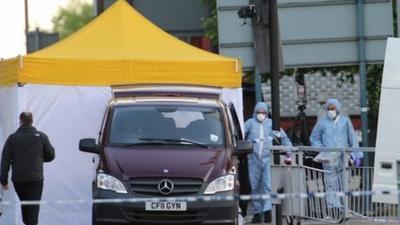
(244, 147)
(89, 145)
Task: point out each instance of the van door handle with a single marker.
(386, 165)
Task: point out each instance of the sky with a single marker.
(12, 22)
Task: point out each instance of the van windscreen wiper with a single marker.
(125, 145)
(181, 140)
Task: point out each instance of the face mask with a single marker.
(332, 114)
(261, 117)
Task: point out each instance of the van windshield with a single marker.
(177, 125)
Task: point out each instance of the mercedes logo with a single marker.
(165, 187)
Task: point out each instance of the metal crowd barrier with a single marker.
(300, 189)
(305, 175)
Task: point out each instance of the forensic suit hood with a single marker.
(260, 106)
(334, 102)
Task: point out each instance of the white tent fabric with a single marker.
(8, 123)
(66, 114)
(235, 96)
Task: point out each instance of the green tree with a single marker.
(374, 80)
(72, 17)
(210, 24)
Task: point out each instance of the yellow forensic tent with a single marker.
(121, 47)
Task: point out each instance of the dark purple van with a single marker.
(163, 142)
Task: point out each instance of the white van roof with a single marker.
(172, 90)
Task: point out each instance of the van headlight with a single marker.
(111, 183)
(224, 183)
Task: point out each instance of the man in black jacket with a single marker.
(25, 151)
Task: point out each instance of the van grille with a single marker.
(161, 216)
(182, 186)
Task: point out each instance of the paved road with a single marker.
(355, 222)
(349, 222)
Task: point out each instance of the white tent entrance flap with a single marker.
(66, 114)
(8, 124)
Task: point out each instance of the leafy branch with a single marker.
(72, 17)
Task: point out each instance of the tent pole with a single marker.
(26, 12)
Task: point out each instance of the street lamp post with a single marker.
(274, 57)
(26, 13)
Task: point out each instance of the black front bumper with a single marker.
(198, 212)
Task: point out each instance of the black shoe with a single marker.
(256, 218)
(267, 217)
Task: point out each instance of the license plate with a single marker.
(165, 206)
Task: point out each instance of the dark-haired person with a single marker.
(25, 151)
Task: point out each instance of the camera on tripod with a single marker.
(301, 94)
(248, 11)
(301, 106)
(299, 132)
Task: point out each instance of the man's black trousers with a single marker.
(29, 191)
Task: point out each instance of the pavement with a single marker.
(348, 222)
(354, 222)
(351, 221)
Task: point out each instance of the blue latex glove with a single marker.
(357, 162)
(288, 160)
